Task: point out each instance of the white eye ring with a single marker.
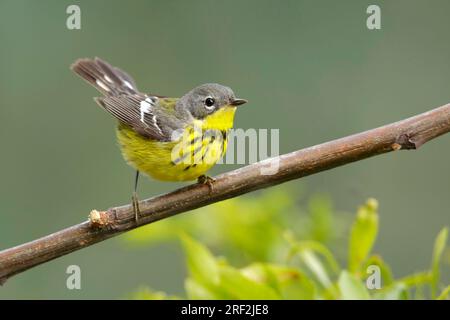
(209, 103)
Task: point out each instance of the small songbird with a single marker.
(170, 139)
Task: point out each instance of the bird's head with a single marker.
(211, 99)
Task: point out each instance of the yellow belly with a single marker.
(183, 160)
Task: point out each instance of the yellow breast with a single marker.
(197, 150)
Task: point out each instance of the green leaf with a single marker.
(253, 225)
(306, 251)
(439, 246)
(444, 294)
(316, 267)
(213, 280)
(298, 287)
(299, 290)
(201, 263)
(262, 273)
(241, 287)
(362, 235)
(148, 294)
(320, 210)
(290, 282)
(416, 279)
(351, 287)
(419, 293)
(398, 291)
(317, 247)
(198, 291)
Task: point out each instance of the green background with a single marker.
(310, 68)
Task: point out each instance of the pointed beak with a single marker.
(238, 102)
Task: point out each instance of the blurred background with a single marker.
(309, 68)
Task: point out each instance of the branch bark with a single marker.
(410, 133)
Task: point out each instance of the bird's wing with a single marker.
(150, 115)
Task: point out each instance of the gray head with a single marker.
(208, 98)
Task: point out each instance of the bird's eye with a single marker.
(209, 102)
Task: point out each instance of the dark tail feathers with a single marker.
(105, 78)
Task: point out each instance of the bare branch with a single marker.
(410, 133)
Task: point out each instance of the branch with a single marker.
(406, 134)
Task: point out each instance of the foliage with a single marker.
(285, 251)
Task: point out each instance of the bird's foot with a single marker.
(204, 179)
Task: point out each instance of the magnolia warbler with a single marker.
(170, 139)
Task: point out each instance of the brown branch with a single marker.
(406, 134)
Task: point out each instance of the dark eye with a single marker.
(209, 102)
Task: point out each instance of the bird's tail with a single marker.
(109, 80)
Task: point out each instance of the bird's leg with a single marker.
(204, 179)
(134, 198)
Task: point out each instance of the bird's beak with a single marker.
(238, 102)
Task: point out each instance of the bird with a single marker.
(168, 139)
